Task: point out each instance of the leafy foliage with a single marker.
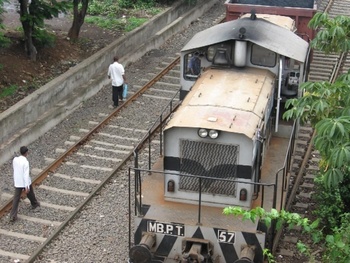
(4, 41)
(104, 8)
(39, 10)
(136, 3)
(330, 205)
(338, 244)
(331, 31)
(43, 38)
(281, 218)
(121, 15)
(327, 106)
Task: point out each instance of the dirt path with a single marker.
(25, 76)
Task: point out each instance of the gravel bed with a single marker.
(19, 245)
(28, 228)
(106, 163)
(83, 172)
(59, 198)
(54, 181)
(100, 232)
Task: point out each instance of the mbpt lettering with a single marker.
(165, 228)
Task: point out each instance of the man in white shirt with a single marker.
(116, 72)
(22, 182)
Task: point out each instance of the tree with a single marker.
(333, 35)
(28, 27)
(327, 105)
(32, 16)
(78, 17)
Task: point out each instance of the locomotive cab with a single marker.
(255, 41)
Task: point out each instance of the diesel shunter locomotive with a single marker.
(222, 145)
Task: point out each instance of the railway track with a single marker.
(324, 67)
(87, 162)
(91, 159)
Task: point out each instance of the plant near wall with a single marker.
(330, 206)
(280, 218)
(134, 22)
(327, 106)
(9, 91)
(336, 245)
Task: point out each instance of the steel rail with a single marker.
(55, 164)
(71, 216)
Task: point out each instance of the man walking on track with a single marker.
(116, 72)
(22, 182)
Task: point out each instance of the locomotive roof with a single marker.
(259, 31)
(232, 100)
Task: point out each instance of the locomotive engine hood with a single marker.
(233, 108)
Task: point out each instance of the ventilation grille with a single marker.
(210, 160)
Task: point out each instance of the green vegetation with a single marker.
(335, 245)
(8, 91)
(116, 24)
(134, 22)
(330, 205)
(326, 106)
(4, 41)
(136, 3)
(121, 15)
(43, 38)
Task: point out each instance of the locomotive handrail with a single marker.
(158, 124)
(199, 177)
(286, 164)
(138, 193)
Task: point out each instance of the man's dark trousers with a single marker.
(117, 93)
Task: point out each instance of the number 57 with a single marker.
(227, 237)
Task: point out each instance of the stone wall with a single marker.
(39, 112)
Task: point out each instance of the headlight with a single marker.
(213, 134)
(211, 53)
(202, 133)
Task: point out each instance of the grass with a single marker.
(120, 15)
(9, 91)
(134, 22)
(122, 24)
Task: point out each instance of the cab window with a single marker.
(192, 66)
(263, 57)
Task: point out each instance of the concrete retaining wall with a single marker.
(39, 112)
